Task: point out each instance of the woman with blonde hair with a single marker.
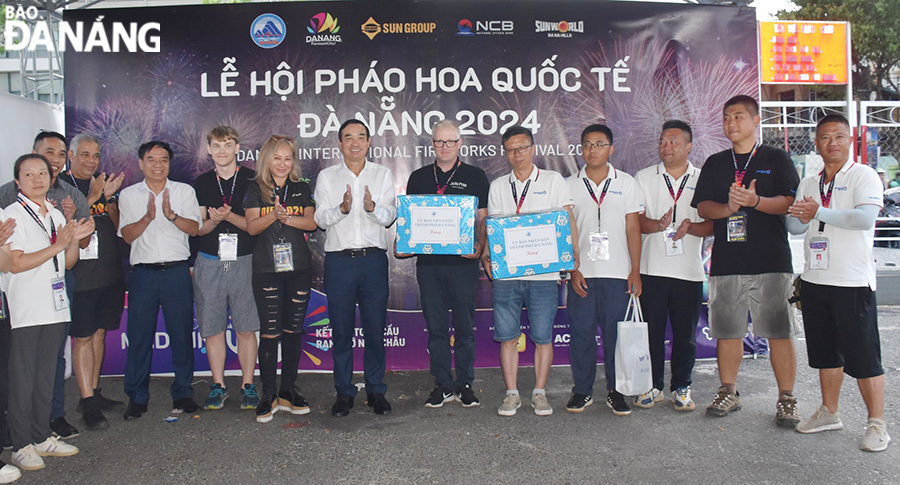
(280, 208)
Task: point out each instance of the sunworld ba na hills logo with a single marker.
(268, 31)
(323, 29)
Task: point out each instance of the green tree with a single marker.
(875, 30)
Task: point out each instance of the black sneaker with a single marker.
(616, 402)
(292, 402)
(135, 410)
(578, 402)
(378, 402)
(186, 405)
(342, 405)
(439, 395)
(467, 397)
(63, 429)
(107, 404)
(93, 417)
(267, 408)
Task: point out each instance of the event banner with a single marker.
(300, 69)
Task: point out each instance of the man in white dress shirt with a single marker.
(157, 216)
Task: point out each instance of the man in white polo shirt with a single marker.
(671, 263)
(156, 216)
(607, 209)
(838, 289)
(526, 189)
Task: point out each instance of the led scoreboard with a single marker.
(801, 52)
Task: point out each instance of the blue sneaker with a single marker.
(217, 397)
(251, 397)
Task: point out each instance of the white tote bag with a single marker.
(633, 375)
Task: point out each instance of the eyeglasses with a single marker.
(598, 145)
(445, 143)
(520, 150)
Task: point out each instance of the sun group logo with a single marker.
(268, 31)
(485, 27)
(125, 37)
(372, 28)
(324, 29)
(562, 28)
(465, 28)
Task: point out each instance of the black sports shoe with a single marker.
(186, 405)
(578, 402)
(616, 402)
(467, 397)
(93, 417)
(267, 407)
(342, 405)
(135, 410)
(292, 402)
(379, 403)
(106, 404)
(439, 395)
(63, 429)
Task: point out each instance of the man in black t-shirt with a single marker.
(746, 190)
(449, 283)
(99, 284)
(224, 265)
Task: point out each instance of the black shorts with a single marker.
(841, 326)
(96, 309)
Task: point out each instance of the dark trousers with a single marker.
(677, 301)
(604, 305)
(350, 281)
(444, 288)
(59, 384)
(32, 367)
(151, 289)
(5, 337)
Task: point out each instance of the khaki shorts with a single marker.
(764, 296)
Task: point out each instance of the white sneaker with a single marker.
(541, 405)
(649, 398)
(55, 447)
(876, 437)
(681, 399)
(510, 403)
(9, 474)
(27, 458)
(821, 420)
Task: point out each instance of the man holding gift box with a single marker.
(526, 189)
(607, 212)
(449, 282)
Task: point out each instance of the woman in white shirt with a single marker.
(41, 249)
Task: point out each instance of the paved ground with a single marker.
(452, 444)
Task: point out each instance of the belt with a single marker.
(361, 252)
(160, 266)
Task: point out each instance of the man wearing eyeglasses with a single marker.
(607, 211)
(671, 263)
(449, 283)
(526, 189)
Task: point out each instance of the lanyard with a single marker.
(51, 234)
(826, 197)
(520, 201)
(674, 195)
(233, 185)
(285, 196)
(587, 183)
(739, 173)
(443, 187)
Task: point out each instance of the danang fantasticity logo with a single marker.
(562, 28)
(268, 31)
(324, 29)
(25, 30)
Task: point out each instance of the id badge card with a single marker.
(228, 245)
(92, 251)
(599, 250)
(60, 299)
(284, 257)
(737, 227)
(818, 253)
(3, 310)
(673, 247)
